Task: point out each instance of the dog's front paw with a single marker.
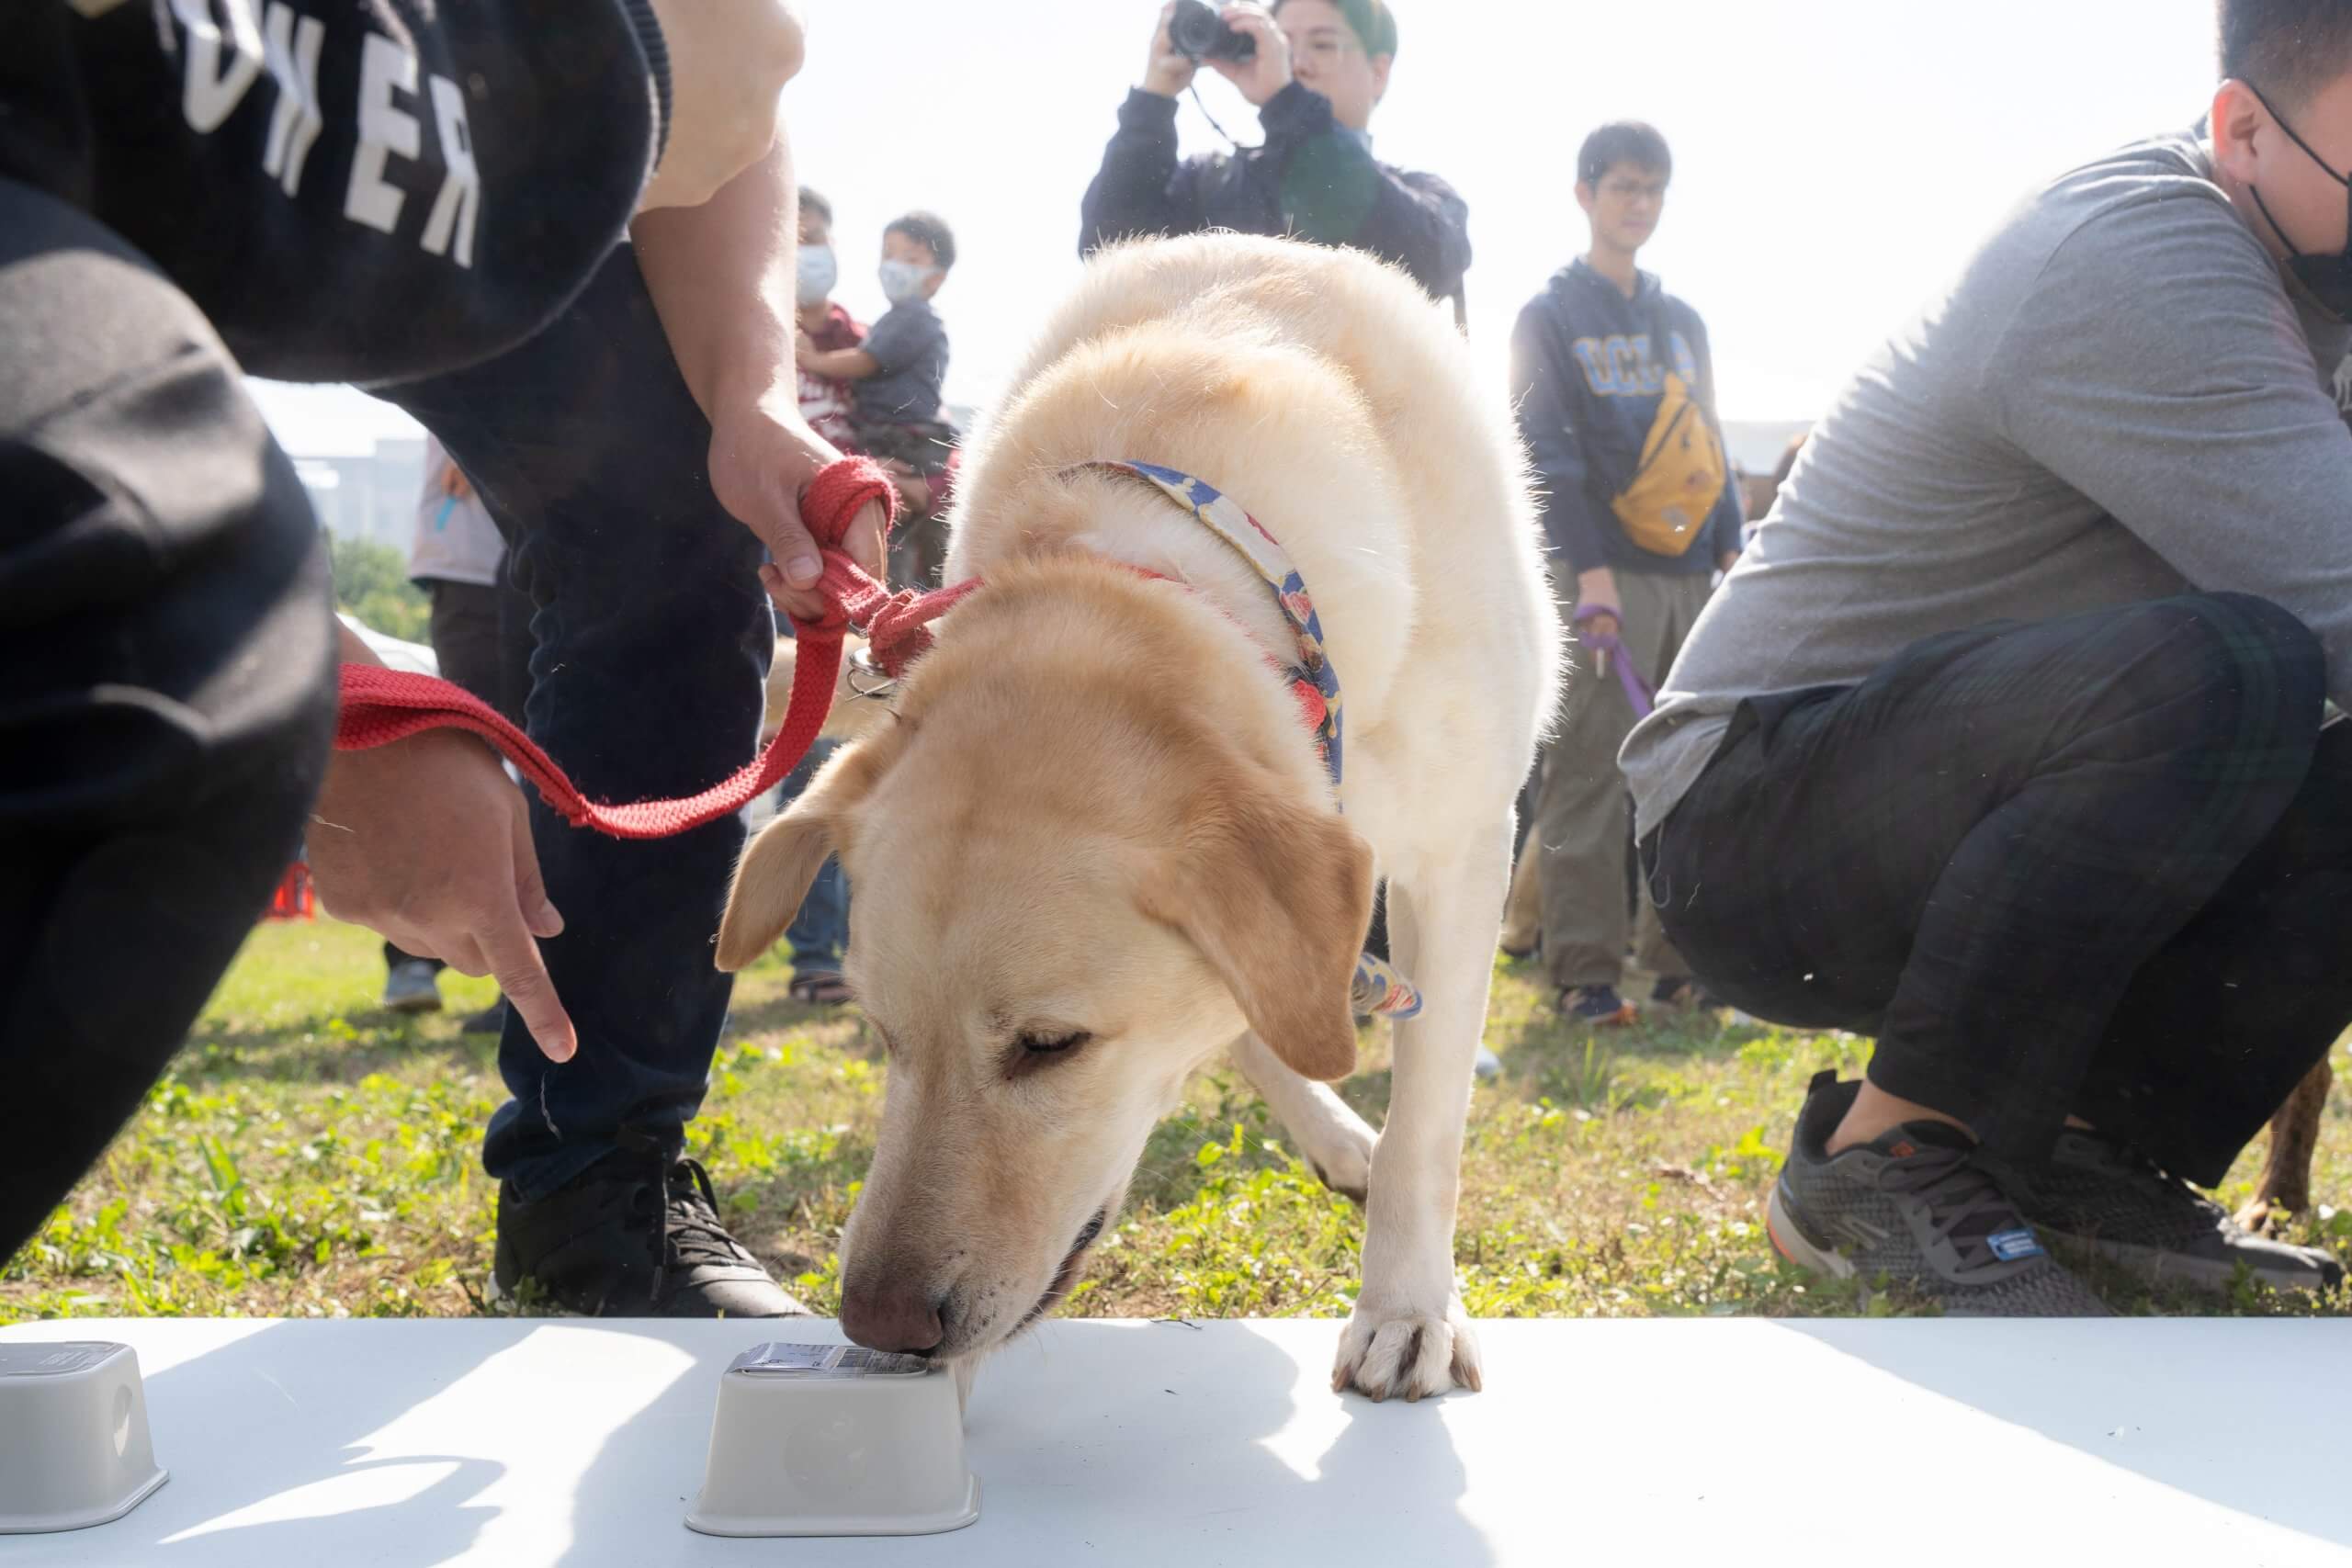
(1407, 1354)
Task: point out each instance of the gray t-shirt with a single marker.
(910, 345)
(2116, 401)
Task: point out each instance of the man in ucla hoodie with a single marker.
(508, 218)
(1606, 367)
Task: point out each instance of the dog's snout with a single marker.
(901, 1315)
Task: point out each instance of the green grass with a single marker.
(310, 1155)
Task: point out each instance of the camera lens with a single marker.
(1194, 29)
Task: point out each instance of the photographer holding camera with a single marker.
(1315, 69)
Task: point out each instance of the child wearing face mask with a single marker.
(897, 372)
(826, 325)
(895, 377)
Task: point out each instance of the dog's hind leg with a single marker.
(1333, 1138)
(2286, 1186)
(1408, 1334)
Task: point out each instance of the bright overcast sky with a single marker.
(1834, 158)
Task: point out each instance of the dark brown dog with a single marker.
(2286, 1186)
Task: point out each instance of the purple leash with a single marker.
(1638, 692)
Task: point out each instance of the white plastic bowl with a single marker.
(835, 1439)
(74, 1450)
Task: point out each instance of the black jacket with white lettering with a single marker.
(350, 191)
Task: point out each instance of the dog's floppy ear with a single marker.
(775, 871)
(1277, 894)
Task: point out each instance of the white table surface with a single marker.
(517, 1443)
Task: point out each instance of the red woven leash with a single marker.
(382, 705)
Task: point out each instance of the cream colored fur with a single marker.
(1094, 847)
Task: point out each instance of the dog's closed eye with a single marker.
(1035, 1049)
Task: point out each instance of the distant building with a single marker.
(372, 497)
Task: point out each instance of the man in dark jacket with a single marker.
(1592, 358)
(1319, 69)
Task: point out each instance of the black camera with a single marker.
(1200, 32)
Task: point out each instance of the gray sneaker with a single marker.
(2107, 1197)
(414, 985)
(1916, 1207)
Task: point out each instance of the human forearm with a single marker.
(721, 276)
(841, 363)
(722, 280)
(1549, 414)
(1136, 191)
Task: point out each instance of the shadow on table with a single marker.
(653, 1462)
(1093, 1444)
(2248, 1414)
(232, 1402)
(1394, 1483)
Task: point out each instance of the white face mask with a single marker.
(819, 273)
(902, 281)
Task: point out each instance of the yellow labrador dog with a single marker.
(1097, 844)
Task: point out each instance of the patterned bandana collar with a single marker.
(1311, 678)
(1377, 987)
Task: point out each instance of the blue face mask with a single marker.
(2328, 279)
(819, 273)
(902, 281)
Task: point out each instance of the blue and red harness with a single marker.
(1377, 988)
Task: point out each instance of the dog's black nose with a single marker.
(894, 1314)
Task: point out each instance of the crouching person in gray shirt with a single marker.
(2002, 742)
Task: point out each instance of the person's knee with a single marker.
(2236, 667)
(2264, 634)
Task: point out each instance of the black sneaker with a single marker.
(1597, 1007)
(636, 1235)
(491, 1020)
(2110, 1199)
(1914, 1206)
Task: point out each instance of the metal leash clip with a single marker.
(875, 684)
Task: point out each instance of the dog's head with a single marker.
(1068, 894)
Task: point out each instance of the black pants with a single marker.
(466, 620)
(2098, 865)
(166, 684)
(648, 639)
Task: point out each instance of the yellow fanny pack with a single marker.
(1675, 488)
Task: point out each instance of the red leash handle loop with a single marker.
(382, 705)
(830, 505)
(894, 624)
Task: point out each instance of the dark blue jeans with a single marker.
(818, 934)
(651, 639)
